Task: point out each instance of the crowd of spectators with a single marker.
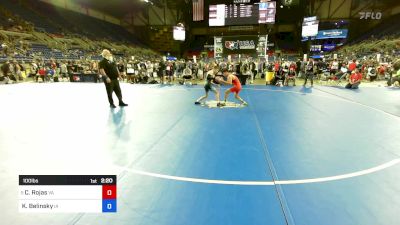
(353, 63)
(159, 70)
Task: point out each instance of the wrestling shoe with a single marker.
(122, 104)
(113, 106)
(197, 103)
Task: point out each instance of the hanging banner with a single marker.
(218, 48)
(262, 46)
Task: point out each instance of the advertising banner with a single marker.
(328, 34)
(328, 47)
(240, 45)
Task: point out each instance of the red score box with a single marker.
(109, 191)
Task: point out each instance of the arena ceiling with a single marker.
(120, 8)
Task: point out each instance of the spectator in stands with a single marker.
(63, 70)
(187, 75)
(94, 67)
(291, 76)
(352, 65)
(355, 79)
(195, 71)
(334, 67)
(6, 69)
(4, 48)
(343, 73)
(396, 74)
(381, 71)
(109, 71)
(320, 66)
(179, 67)
(130, 72)
(53, 64)
(279, 78)
(277, 64)
(298, 67)
(143, 77)
(17, 71)
(4, 77)
(41, 73)
(200, 72)
(50, 74)
(150, 68)
(371, 72)
(33, 69)
(246, 73)
(71, 70)
(253, 69)
(169, 71)
(121, 69)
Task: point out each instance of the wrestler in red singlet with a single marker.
(237, 87)
(234, 81)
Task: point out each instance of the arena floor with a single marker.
(303, 156)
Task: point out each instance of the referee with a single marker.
(110, 74)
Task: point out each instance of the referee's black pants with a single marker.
(111, 87)
(309, 75)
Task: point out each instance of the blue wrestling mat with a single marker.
(294, 155)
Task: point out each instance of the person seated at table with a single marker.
(291, 75)
(343, 72)
(381, 71)
(354, 80)
(187, 75)
(4, 77)
(372, 73)
(121, 69)
(50, 74)
(143, 78)
(42, 74)
(334, 67)
(279, 76)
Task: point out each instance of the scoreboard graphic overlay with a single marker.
(67, 193)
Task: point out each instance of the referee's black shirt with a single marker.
(110, 68)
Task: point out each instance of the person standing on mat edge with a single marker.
(110, 74)
(309, 70)
(231, 80)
